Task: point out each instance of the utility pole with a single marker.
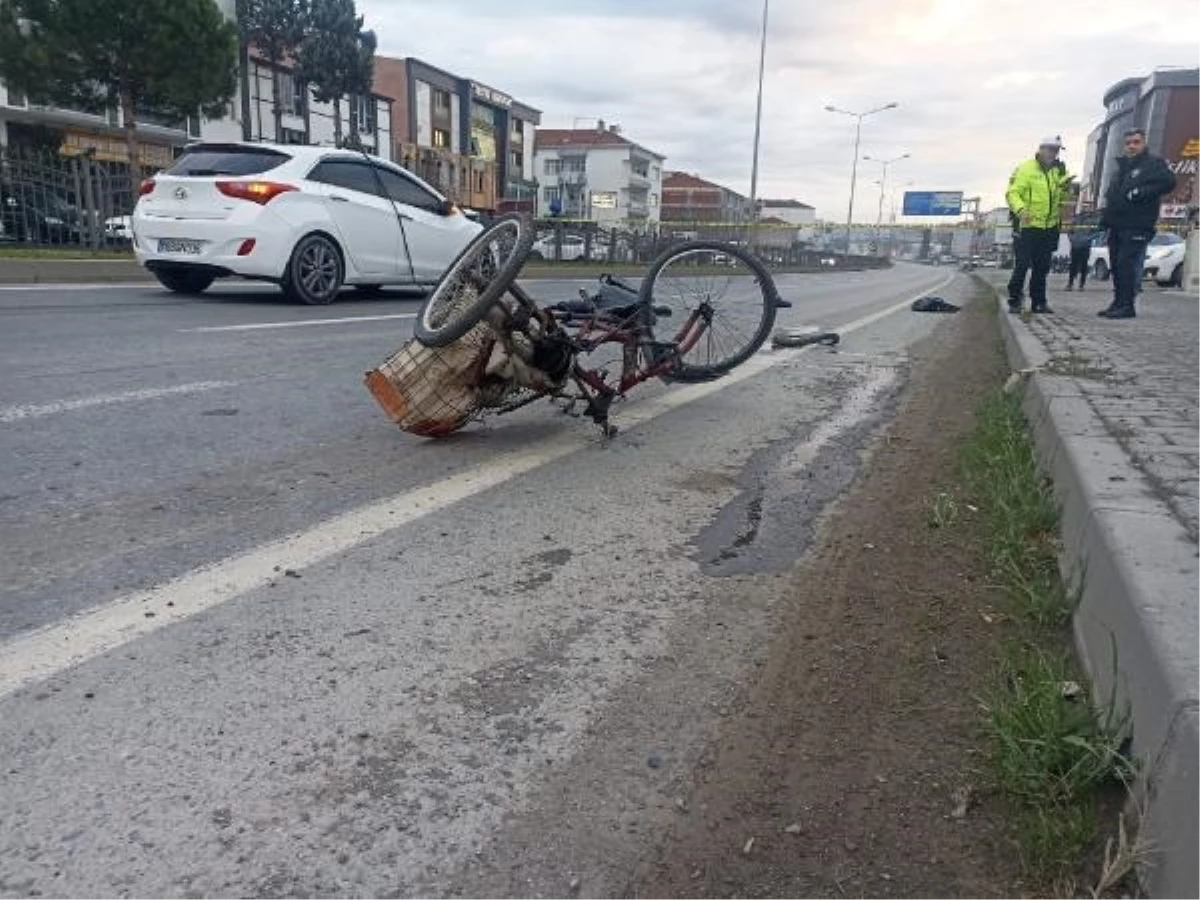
(762, 58)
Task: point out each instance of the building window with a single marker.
(294, 136)
(441, 138)
(551, 194)
(16, 98)
(366, 113)
(441, 100)
(514, 162)
(291, 95)
(553, 166)
(575, 165)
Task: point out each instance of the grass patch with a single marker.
(63, 253)
(1054, 753)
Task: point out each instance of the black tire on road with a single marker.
(475, 281)
(763, 307)
(185, 281)
(315, 271)
(1100, 270)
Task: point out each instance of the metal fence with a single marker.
(47, 199)
(638, 244)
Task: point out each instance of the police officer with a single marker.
(1131, 207)
(1035, 196)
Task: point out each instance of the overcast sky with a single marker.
(978, 83)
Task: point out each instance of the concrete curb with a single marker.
(1136, 625)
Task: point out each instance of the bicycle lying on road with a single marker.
(482, 345)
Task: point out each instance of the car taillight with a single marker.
(260, 192)
(146, 187)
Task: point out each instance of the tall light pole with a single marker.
(883, 181)
(762, 58)
(858, 117)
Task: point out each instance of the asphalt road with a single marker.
(254, 640)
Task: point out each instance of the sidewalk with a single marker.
(1113, 407)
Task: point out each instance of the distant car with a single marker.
(311, 219)
(118, 229)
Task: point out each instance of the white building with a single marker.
(596, 175)
(304, 119)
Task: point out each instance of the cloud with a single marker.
(977, 82)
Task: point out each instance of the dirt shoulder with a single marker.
(856, 766)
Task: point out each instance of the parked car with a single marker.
(1164, 259)
(117, 230)
(35, 214)
(574, 248)
(310, 219)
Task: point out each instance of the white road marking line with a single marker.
(75, 286)
(47, 651)
(35, 410)
(262, 326)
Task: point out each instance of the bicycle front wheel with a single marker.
(722, 306)
(475, 282)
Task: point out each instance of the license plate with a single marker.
(175, 245)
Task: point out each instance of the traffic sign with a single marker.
(933, 203)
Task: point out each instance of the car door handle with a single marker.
(339, 198)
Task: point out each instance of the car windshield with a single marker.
(1160, 239)
(210, 159)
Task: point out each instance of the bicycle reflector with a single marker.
(260, 192)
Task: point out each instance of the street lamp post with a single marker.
(883, 181)
(762, 58)
(858, 117)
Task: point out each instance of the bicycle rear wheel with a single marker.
(720, 289)
(475, 281)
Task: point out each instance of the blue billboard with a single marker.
(933, 203)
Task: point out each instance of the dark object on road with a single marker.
(933, 304)
(803, 337)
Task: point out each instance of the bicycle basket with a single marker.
(431, 391)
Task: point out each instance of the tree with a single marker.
(276, 28)
(175, 57)
(328, 57)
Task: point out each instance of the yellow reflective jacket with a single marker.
(1039, 192)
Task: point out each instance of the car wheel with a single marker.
(1101, 270)
(314, 273)
(1176, 277)
(184, 281)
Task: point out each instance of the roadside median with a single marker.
(1115, 428)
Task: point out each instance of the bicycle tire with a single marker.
(465, 313)
(768, 296)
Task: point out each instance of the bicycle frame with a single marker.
(632, 332)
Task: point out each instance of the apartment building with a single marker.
(597, 174)
(471, 141)
(690, 198)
